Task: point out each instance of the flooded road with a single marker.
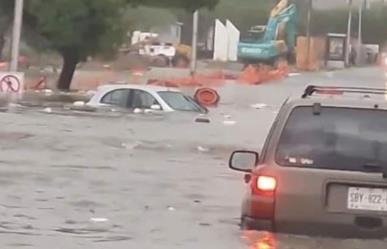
(144, 181)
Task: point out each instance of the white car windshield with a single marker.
(180, 102)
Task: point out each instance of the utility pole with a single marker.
(308, 28)
(360, 40)
(194, 42)
(348, 43)
(17, 26)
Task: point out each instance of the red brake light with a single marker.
(266, 184)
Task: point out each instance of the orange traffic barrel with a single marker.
(207, 97)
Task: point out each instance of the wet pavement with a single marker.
(144, 181)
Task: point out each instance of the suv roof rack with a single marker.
(336, 90)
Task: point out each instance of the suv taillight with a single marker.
(264, 185)
(262, 201)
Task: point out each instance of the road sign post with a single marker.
(360, 39)
(17, 26)
(11, 84)
(308, 29)
(348, 43)
(194, 42)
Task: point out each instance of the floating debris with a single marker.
(202, 120)
(229, 122)
(99, 220)
(259, 106)
(203, 149)
(47, 92)
(79, 103)
(137, 111)
(47, 110)
(171, 209)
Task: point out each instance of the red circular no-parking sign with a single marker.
(10, 84)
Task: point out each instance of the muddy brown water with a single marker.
(136, 181)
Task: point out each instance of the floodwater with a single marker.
(138, 181)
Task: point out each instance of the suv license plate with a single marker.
(372, 199)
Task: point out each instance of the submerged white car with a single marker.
(144, 97)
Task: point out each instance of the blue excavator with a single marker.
(275, 41)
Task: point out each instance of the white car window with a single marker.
(117, 97)
(180, 102)
(143, 100)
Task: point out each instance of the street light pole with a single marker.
(17, 26)
(194, 41)
(361, 6)
(348, 42)
(308, 27)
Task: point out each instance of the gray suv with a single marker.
(323, 168)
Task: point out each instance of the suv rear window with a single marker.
(336, 138)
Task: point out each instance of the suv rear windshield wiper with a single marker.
(375, 168)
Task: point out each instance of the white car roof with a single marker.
(148, 88)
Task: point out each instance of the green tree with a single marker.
(189, 5)
(374, 24)
(335, 21)
(6, 14)
(80, 28)
(246, 15)
(145, 18)
(76, 29)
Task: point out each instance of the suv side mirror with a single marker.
(244, 161)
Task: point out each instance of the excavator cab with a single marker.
(254, 34)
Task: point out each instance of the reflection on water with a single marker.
(265, 240)
(259, 240)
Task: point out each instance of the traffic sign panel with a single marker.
(11, 83)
